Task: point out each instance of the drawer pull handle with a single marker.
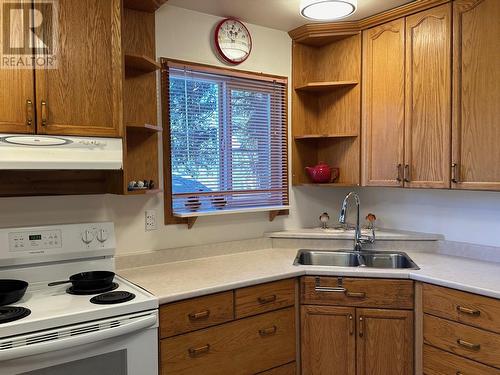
(268, 331)
(468, 311)
(459, 373)
(356, 294)
(267, 299)
(468, 345)
(199, 315)
(195, 352)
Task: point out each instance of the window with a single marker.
(228, 140)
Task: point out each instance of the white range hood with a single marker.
(42, 152)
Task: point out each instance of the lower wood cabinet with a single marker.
(461, 332)
(384, 342)
(239, 332)
(346, 339)
(328, 341)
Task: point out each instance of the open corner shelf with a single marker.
(144, 192)
(141, 63)
(322, 39)
(322, 136)
(150, 6)
(332, 184)
(324, 86)
(144, 127)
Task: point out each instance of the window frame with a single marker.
(166, 63)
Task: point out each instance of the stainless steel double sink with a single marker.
(350, 258)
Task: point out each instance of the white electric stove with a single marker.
(66, 333)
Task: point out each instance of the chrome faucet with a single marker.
(359, 240)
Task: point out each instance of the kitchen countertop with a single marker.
(193, 278)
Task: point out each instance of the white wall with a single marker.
(465, 216)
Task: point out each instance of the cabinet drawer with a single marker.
(263, 298)
(439, 362)
(245, 346)
(471, 309)
(382, 293)
(469, 342)
(288, 369)
(196, 313)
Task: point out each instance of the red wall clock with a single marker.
(233, 41)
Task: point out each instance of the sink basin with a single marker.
(388, 260)
(327, 258)
(349, 258)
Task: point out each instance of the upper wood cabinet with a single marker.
(17, 101)
(383, 104)
(83, 96)
(385, 342)
(476, 95)
(428, 98)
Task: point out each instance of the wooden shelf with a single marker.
(321, 136)
(325, 86)
(143, 192)
(144, 127)
(324, 38)
(150, 6)
(333, 184)
(142, 63)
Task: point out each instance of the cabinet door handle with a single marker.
(268, 331)
(361, 326)
(399, 178)
(468, 311)
(351, 325)
(44, 113)
(195, 352)
(356, 294)
(454, 173)
(199, 315)
(407, 173)
(267, 299)
(468, 345)
(29, 112)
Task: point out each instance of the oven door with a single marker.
(124, 345)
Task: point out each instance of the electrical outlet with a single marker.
(150, 220)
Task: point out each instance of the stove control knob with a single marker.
(102, 235)
(87, 236)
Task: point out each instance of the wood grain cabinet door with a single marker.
(428, 99)
(328, 342)
(385, 342)
(16, 83)
(383, 104)
(476, 95)
(83, 94)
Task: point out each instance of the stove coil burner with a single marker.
(112, 297)
(85, 292)
(11, 313)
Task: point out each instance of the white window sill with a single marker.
(230, 211)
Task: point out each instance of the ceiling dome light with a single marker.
(327, 10)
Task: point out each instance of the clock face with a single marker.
(233, 41)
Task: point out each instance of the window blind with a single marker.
(228, 140)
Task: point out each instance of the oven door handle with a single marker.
(81, 339)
